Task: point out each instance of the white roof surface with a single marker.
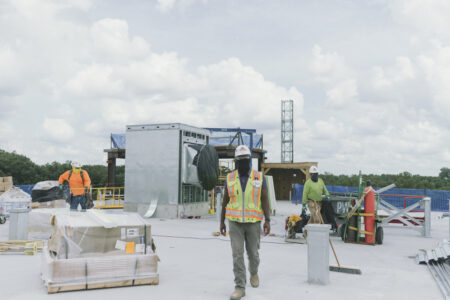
(196, 265)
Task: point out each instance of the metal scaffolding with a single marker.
(287, 131)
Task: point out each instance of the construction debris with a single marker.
(438, 263)
(21, 247)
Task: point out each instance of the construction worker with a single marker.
(313, 190)
(245, 202)
(79, 183)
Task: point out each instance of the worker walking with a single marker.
(79, 183)
(313, 190)
(245, 202)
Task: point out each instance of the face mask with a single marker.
(76, 170)
(243, 166)
(315, 177)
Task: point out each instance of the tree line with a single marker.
(403, 180)
(24, 171)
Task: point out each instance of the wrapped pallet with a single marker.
(92, 249)
(94, 233)
(86, 273)
(13, 198)
(47, 194)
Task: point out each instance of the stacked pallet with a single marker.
(5, 184)
(91, 250)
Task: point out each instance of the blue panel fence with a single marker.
(397, 197)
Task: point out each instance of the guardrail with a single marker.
(108, 197)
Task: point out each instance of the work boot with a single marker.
(254, 280)
(237, 294)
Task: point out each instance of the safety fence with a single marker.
(397, 197)
(103, 197)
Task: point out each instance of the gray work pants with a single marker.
(250, 235)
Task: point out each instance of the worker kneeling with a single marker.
(245, 202)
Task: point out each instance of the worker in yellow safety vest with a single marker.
(245, 203)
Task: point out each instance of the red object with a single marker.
(369, 208)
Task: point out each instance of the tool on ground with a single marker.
(294, 224)
(338, 268)
(21, 247)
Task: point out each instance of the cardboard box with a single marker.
(8, 179)
(4, 186)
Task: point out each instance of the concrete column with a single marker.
(449, 219)
(318, 253)
(427, 222)
(18, 224)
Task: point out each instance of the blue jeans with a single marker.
(80, 199)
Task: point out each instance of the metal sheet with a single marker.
(189, 172)
(152, 166)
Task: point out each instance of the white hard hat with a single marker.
(313, 169)
(76, 164)
(241, 152)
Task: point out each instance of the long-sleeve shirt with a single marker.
(76, 183)
(314, 190)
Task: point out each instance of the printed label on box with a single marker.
(121, 245)
(129, 248)
(123, 233)
(132, 232)
(140, 248)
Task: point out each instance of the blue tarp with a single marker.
(118, 141)
(26, 188)
(216, 139)
(396, 196)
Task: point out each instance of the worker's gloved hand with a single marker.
(223, 228)
(61, 186)
(327, 197)
(304, 209)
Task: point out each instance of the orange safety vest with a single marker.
(77, 183)
(245, 208)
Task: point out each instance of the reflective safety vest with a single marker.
(244, 208)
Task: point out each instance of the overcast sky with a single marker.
(370, 79)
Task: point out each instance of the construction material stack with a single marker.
(89, 250)
(13, 198)
(5, 184)
(47, 194)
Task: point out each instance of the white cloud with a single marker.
(58, 130)
(167, 5)
(429, 18)
(386, 77)
(436, 68)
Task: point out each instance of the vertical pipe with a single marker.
(427, 221)
(318, 253)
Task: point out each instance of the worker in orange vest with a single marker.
(79, 183)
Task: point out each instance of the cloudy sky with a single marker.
(370, 79)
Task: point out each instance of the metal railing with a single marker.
(108, 197)
(402, 216)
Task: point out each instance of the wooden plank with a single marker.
(52, 288)
(80, 287)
